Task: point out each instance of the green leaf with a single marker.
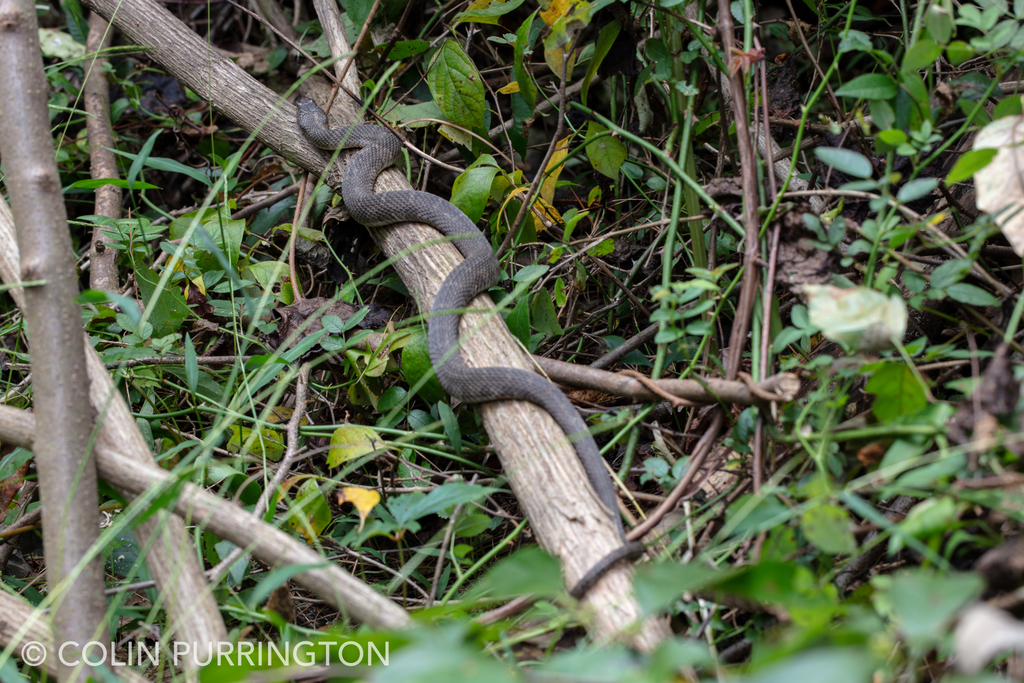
(266, 274)
(530, 273)
(527, 90)
(191, 364)
(921, 55)
(939, 23)
(216, 230)
(409, 507)
(457, 86)
(472, 524)
(78, 25)
(529, 571)
(959, 52)
(266, 443)
(308, 234)
(845, 160)
(659, 585)
(518, 321)
(833, 664)
(140, 159)
(314, 514)
(778, 583)
(828, 527)
(606, 153)
(404, 49)
(916, 189)
(930, 517)
(416, 365)
(545, 318)
(349, 442)
(923, 602)
(160, 164)
(869, 87)
(166, 313)
(950, 273)
(971, 295)
(1000, 5)
(897, 391)
(751, 513)
(605, 247)
(59, 45)
(890, 139)
(855, 41)
(11, 462)
(451, 426)
(408, 113)
(471, 190)
(565, 19)
(609, 32)
(93, 183)
(970, 163)
(490, 14)
(1008, 106)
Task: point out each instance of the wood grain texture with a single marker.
(541, 466)
(67, 472)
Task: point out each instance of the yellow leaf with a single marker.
(363, 499)
(553, 58)
(555, 11)
(554, 169)
(545, 216)
(282, 415)
(509, 89)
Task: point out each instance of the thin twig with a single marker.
(772, 189)
(359, 40)
(291, 451)
(395, 35)
(622, 349)
(542, 171)
(266, 203)
(745, 307)
(297, 221)
(700, 454)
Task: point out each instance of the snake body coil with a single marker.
(479, 271)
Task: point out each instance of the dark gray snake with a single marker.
(379, 148)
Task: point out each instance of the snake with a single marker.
(379, 148)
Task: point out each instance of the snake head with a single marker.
(310, 113)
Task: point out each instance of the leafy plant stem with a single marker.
(666, 269)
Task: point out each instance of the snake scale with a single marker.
(379, 148)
